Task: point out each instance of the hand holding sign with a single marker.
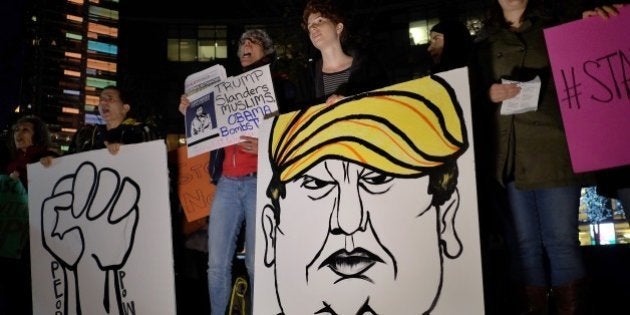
(592, 86)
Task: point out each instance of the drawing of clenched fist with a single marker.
(89, 224)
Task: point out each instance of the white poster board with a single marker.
(354, 230)
(219, 114)
(100, 233)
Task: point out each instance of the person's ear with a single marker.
(269, 230)
(126, 108)
(449, 240)
(339, 27)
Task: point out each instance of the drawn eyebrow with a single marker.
(326, 309)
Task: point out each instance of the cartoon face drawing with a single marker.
(345, 206)
(363, 200)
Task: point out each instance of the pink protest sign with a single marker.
(590, 59)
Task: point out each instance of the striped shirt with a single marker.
(333, 80)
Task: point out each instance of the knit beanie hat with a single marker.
(257, 36)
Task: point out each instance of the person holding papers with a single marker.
(233, 169)
(531, 158)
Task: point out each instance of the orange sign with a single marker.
(194, 188)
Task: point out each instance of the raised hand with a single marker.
(183, 104)
(84, 209)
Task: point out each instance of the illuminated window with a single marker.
(73, 55)
(74, 36)
(91, 100)
(203, 43)
(103, 47)
(98, 83)
(104, 13)
(101, 65)
(182, 49)
(70, 110)
(208, 50)
(102, 29)
(419, 31)
(71, 92)
(72, 73)
(74, 18)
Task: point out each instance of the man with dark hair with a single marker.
(118, 129)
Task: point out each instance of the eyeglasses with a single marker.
(253, 41)
(317, 22)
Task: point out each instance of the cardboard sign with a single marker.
(194, 187)
(590, 59)
(101, 233)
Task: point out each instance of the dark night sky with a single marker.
(11, 50)
(13, 44)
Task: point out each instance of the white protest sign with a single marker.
(220, 114)
(100, 233)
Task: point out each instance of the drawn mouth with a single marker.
(350, 263)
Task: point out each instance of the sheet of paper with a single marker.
(204, 78)
(525, 101)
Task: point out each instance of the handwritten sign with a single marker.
(194, 188)
(13, 217)
(221, 113)
(100, 233)
(593, 85)
(383, 262)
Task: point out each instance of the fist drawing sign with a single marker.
(88, 225)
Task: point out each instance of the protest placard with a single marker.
(593, 86)
(221, 113)
(194, 187)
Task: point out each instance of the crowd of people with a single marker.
(526, 187)
(31, 142)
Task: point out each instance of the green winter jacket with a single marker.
(529, 148)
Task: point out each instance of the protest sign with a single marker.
(101, 233)
(194, 187)
(593, 86)
(219, 114)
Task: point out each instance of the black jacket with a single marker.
(366, 74)
(92, 137)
